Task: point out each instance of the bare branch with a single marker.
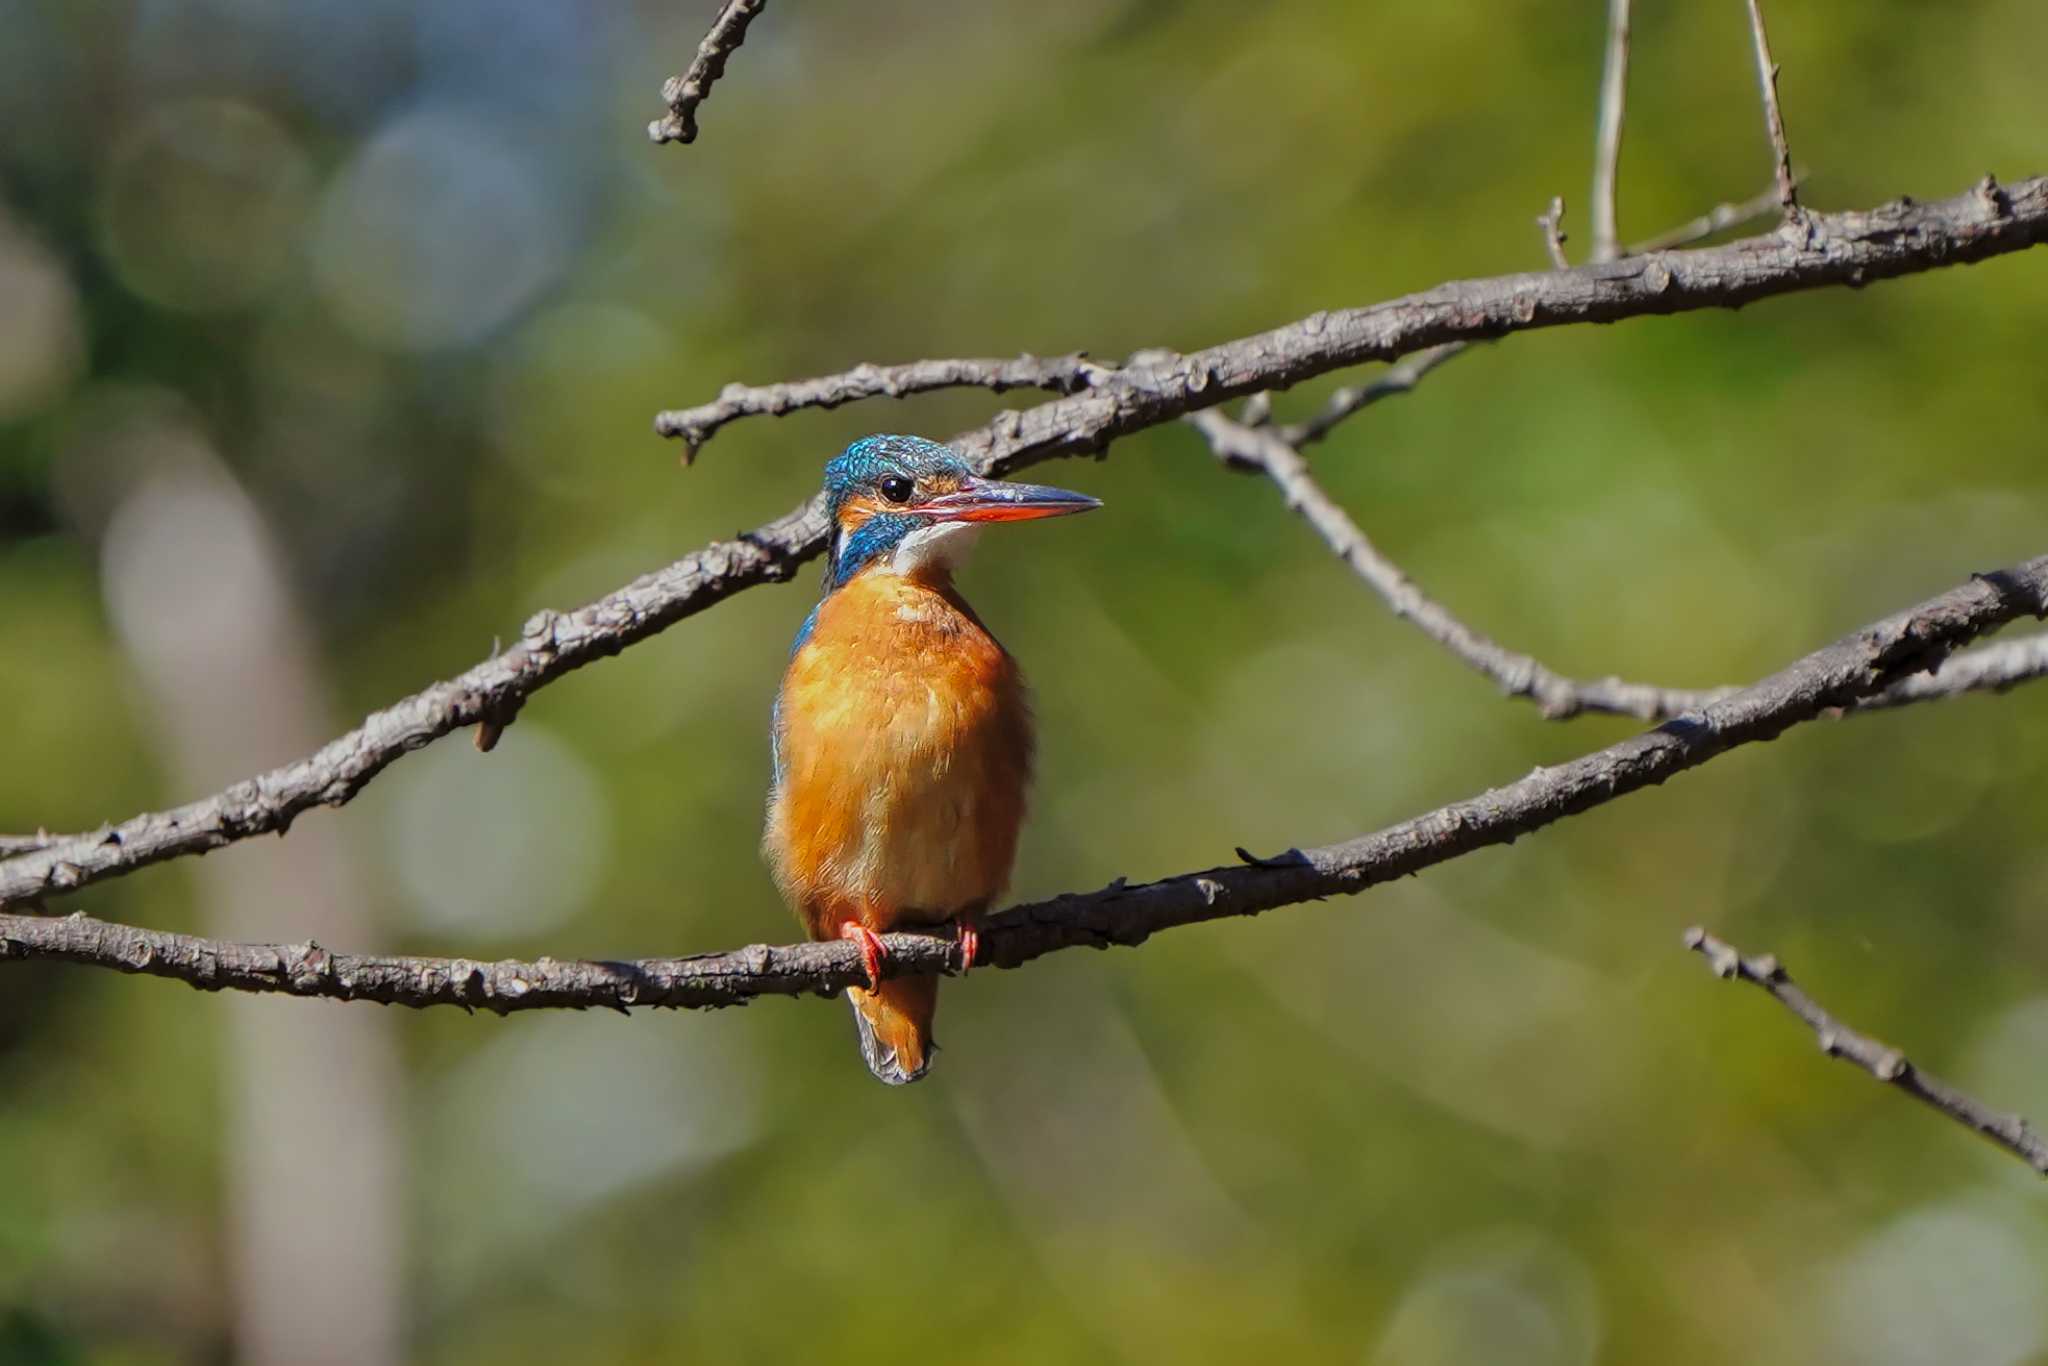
(1404, 376)
(1894, 239)
(1068, 374)
(1607, 142)
(10, 845)
(1717, 219)
(1774, 118)
(684, 93)
(1551, 220)
(1399, 378)
(1852, 248)
(1857, 666)
(1518, 675)
(1988, 668)
(1887, 1064)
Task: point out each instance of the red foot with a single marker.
(970, 941)
(871, 951)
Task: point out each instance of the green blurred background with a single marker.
(330, 335)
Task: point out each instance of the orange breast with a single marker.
(906, 749)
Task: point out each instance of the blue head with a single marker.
(903, 502)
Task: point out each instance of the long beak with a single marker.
(994, 500)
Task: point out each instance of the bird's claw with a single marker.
(871, 951)
(969, 939)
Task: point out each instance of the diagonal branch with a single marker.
(1857, 666)
(1717, 219)
(684, 93)
(1607, 142)
(1518, 675)
(1846, 248)
(1774, 118)
(1887, 1064)
(1988, 668)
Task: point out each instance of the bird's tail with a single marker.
(895, 1023)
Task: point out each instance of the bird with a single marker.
(902, 734)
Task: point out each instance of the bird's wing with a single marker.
(803, 633)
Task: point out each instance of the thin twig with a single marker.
(1607, 141)
(1717, 219)
(1518, 675)
(1896, 239)
(1551, 221)
(1988, 668)
(1887, 1064)
(1774, 118)
(1068, 374)
(1992, 668)
(684, 93)
(1398, 378)
(1859, 665)
(1402, 377)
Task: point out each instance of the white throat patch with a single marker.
(942, 545)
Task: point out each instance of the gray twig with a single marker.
(1717, 219)
(1837, 1040)
(1990, 668)
(1518, 675)
(684, 93)
(1607, 141)
(1859, 665)
(1068, 374)
(1774, 117)
(1895, 239)
(1398, 378)
(1402, 377)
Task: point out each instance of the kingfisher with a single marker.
(902, 734)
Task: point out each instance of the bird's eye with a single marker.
(895, 488)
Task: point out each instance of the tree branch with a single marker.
(1887, 1064)
(1405, 375)
(1989, 668)
(1717, 219)
(1068, 374)
(1607, 142)
(1857, 666)
(1518, 675)
(1774, 118)
(1845, 248)
(684, 93)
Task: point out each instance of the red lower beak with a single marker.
(994, 500)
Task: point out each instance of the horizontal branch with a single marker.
(2010, 1132)
(684, 93)
(1845, 248)
(1853, 248)
(1059, 374)
(1855, 667)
